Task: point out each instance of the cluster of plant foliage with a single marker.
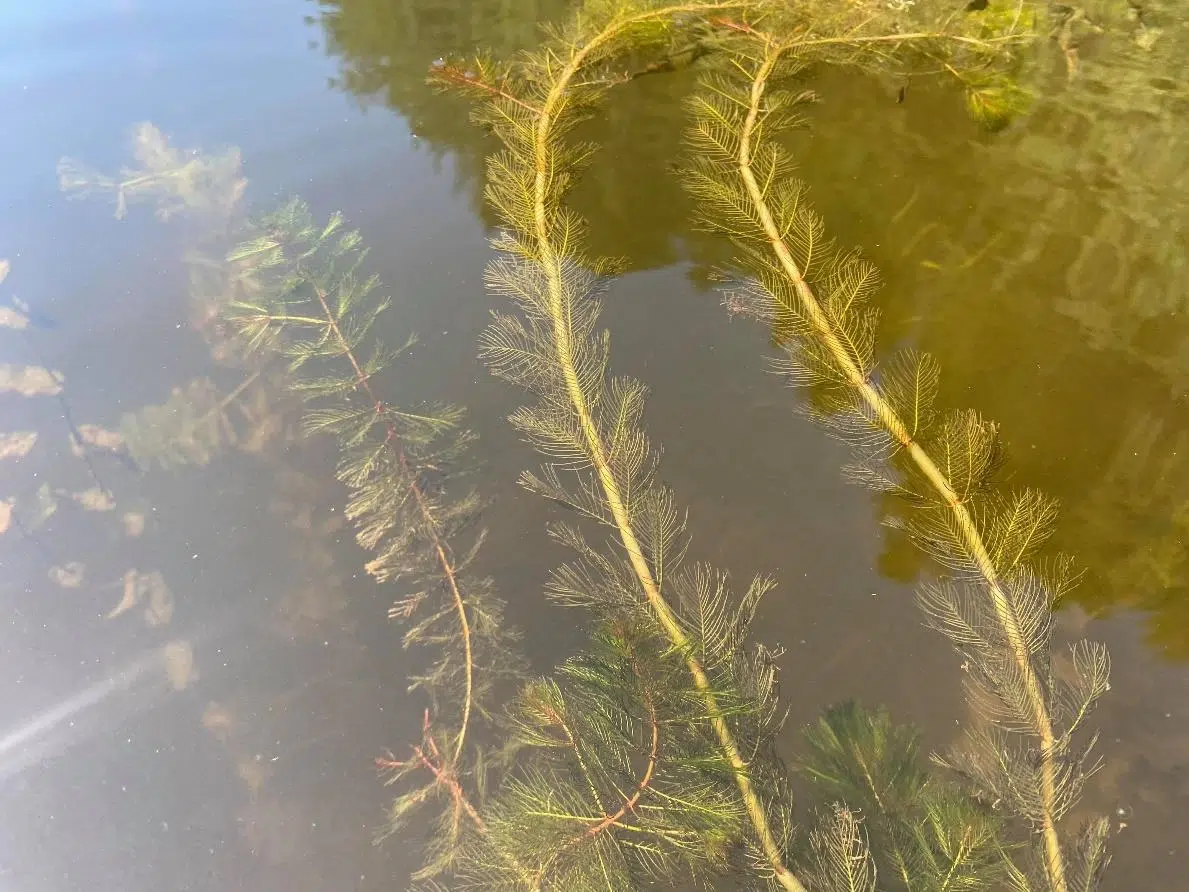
(650, 756)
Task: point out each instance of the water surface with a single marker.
(225, 741)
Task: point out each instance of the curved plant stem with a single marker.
(629, 803)
(891, 421)
(441, 549)
(429, 757)
(563, 346)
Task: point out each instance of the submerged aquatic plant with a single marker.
(401, 466)
(589, 423)
(176, 179)
(996, 607)
(651, 755)
(49, 490)
(926, 835)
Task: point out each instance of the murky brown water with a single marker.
(218, 733)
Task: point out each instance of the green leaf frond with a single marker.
(177, 180)
(402, 467)
(615, 786)
(996, 605)
(197, 423)
(859, 756)
(841, 858)
(588, 423)
(926, 836)
(989, 53)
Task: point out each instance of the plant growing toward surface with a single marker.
(997, 605)
(588, 422)
(552, 349)
(650, 756)
(314, 307)
(615, 777)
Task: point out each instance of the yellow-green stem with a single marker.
(891, 421)
(563, 346)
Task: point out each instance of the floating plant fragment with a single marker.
(17, 444)
(218, 719)
(178, 657)
(94, 499)
(139, 587)
(29, 380)
(68, 575)
(159, 610)
(134, 523)
(11, 318)
(45, 505)
(98, 438)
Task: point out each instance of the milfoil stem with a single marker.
(441, 549)
(563, 347)
(891, 421)
(612, 820)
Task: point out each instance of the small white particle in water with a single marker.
(193, 557)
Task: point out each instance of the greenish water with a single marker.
(1045, 267)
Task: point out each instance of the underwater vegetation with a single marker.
(650, 755)
(995, 606)
(1096, 162)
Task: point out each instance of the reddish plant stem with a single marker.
(451, 75)
(629, 804)
(441, 549)
(441, 771)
